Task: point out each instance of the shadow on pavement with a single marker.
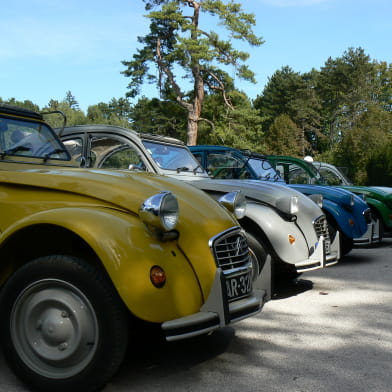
(286, 289)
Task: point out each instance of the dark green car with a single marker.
(300, 171)
(379, 198)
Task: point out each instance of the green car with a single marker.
(301, 171)
(378, 198)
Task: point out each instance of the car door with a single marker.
(105, 151)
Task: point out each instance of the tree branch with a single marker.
(167, 71)
(220, 88)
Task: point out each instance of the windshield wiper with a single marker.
(183, 168)
(12, 151)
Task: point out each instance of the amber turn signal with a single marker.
(157, 276)
(291, 239)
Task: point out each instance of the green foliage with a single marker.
(292, 94)
(161, 117)
(116, 112)
(26, 104)
(379, 167)
(383, 85)
(71, 101)
(343, 110)
(341, 114)
(285, 138)
(73, 116)
(372, 132)
(178, 49)
(240, 127)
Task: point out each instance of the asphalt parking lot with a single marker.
(331, 330)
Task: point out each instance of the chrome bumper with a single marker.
(319, 258)
(371, 236)
(217, 312)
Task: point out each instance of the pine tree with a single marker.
(180, 49)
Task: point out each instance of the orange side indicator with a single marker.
(291, 239)
(157, 276)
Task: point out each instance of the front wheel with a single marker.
(258, 253)
(63, 326)
(346, 243)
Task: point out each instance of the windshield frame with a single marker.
(35, 139)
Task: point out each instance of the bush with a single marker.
(379, 167)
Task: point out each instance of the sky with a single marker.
(50, 47)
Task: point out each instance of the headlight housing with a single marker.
(288, 205)
(352, 200)
(160, 211)
(235, 202)
(318, 199)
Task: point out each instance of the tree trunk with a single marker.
(192, 132)
(194, 112)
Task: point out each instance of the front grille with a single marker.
(230, 249)
(321, 227)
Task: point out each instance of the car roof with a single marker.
(214, 147)
(17, 111)
(106, 128)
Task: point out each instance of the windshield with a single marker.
(264, 170)
(172, 157)
(332, 175)
(29, 139)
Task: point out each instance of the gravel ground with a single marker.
(331, 330)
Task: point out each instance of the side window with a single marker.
(225, 166)
(297, 175)
(75, 148)
(109, 152)
(198, 156)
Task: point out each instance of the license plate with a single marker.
(238, 286)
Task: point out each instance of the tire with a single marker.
(346, 243)
(63, 326)
(284, 273)
(258, 252)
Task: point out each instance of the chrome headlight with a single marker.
(160, 211)
(289, 205)
(235, 202)
(318, 199)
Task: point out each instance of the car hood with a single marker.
(261, 191)
(123, 190)
(337, 195)
(377, 192)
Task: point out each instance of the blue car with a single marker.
(345, 212)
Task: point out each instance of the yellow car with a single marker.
(84, 253)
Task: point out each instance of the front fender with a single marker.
(278, 230)
(351, 223)
(127, 252)
(384, 211)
